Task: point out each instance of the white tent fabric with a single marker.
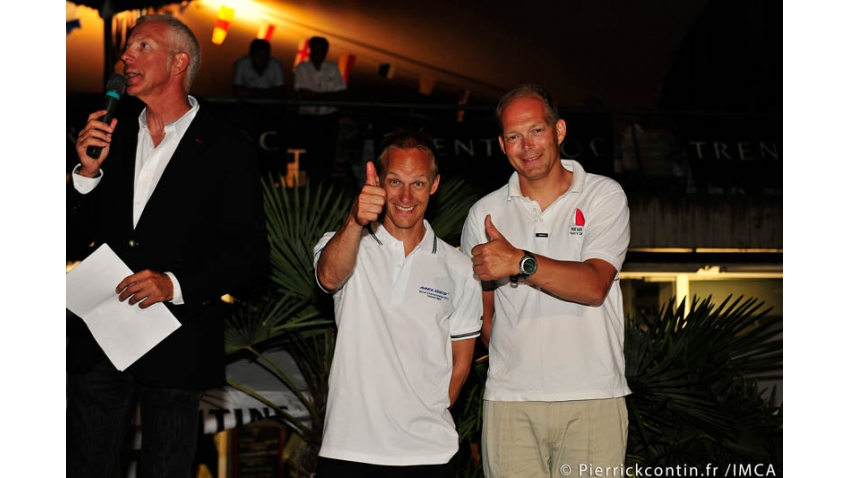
(227, 407)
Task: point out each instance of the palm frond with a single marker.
(259, 324)
(449, 207)
(693, 396)
(293, 314)
(296, 218)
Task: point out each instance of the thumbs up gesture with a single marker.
(496, 258)
(370, 203)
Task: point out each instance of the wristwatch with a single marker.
(527, 267)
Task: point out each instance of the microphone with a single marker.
(115, 87)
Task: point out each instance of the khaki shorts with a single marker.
(555, 439)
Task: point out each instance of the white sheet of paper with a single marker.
(124, 331)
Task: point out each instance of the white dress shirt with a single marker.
(150, 163)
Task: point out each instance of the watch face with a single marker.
(528, 265)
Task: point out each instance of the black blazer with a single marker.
(204, 222)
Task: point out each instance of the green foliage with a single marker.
(695, 397)
(313, 354)
(448, 208)
(296, 218)
(292, 314)
(467, 413)
(263, 322)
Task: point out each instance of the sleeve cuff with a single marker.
(177, 298)
(82, 184)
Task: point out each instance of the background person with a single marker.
(177, 197)
(553, 241)
(258, 74)
(319, 80)
(408, 310)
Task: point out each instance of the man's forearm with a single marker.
(339, 256)
(459, 376)
(487, 316)
(582, 282)
(462, 351)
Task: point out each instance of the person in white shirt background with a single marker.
(319, 80)
(258, 74)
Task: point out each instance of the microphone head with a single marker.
(117, 83)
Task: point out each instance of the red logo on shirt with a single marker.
(577, 227)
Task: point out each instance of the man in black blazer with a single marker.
(179, 202)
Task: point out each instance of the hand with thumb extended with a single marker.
(370, 202)
(371, 174)
(492, 233)
(496, 258)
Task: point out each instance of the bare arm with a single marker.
(582, 282)
(462, 351)
(487, 316)
(340, 254)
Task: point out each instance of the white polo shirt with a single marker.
(543, 348)
(389, 381)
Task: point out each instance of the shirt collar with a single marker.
(382, 236)
(181, 124)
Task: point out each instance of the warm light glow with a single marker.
(681, 281)
(707, 273)
(253, 14)
(249, 10)
(426, 85)
(665, 250)
(741, 250)
(707, 250)
(218, 35)
(266, 32)
(346, 64)
(303, 52)
(222, 24)
(683, 290)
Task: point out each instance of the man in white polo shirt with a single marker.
(551, 242)
(408, 310)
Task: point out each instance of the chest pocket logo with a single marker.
(577, 225)
(435, 294)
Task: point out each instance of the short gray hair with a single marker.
(180, 40)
